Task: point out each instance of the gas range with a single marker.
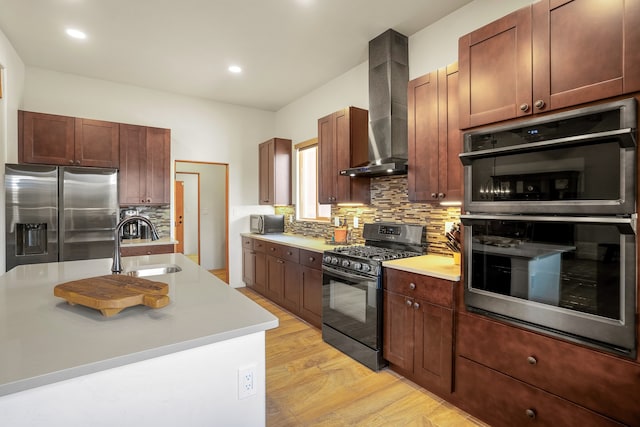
(383, 242)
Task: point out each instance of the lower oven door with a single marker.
(352, 305)
(572, 276)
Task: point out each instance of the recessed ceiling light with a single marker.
(235, 69)
(76, 34)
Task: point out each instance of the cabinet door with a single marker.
(422, 174)
(398, 331)
(45, 139)
(133, 163)
(265, 167)
(248, 267)
(311, 298)
(275, 279)
(450, 139)
(97, 143)
(433, 346)
(291, 287)
(158, 166)
(495, 70)
(574, 63)
(260, 281)
(147, 250)
(327, 174)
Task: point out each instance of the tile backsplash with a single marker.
(160, 216)
(389, 203)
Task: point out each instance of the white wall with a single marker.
(201, 130)
(12, 71)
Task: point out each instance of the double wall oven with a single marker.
(352, 288)
(550, 224)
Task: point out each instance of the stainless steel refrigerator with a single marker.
(59, 213)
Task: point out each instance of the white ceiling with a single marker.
(287, 48)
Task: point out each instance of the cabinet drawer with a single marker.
(274, 249)
(601, 382)
(430, 289)
(259, 245)
(311, 259)
(247, 243)
(146, 250)
(290, 254)
(504, 401)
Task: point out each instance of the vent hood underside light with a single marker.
(391, 167)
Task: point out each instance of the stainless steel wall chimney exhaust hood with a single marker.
(388, 81)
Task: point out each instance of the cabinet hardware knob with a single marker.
(416, 305)
(408, 303)
(524, 107)
(530, 413)
(532, 360)
(440, 195)
(71, 162)
(289, 253)
(412, 286)
(272, 249)
(311, 259)
(77, 162)
(539, 104)
(434, 196)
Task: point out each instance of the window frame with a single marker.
(299, 148)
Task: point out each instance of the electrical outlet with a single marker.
(336, 221)
(356, 222)
(291, 219)
(246, 382)
(448, 226)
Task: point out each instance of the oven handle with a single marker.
(625, 138)
(345, 275)
(626, 225)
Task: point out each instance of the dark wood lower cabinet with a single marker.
(504, 401)
(146, 250)
(417, 333)
(290, 277)
(606, 384)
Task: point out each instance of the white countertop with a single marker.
(438, 266)
(45, 340)
(295, 240)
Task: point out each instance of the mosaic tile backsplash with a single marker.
(389, 203)
(160, 216)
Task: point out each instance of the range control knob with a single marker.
(334, 260)
(327, 259)
(366, 267)
(357, 265)
(345, 263)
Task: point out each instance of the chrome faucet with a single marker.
(116, 267)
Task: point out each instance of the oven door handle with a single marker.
(345, 275)
(625, 138)
(626, 225)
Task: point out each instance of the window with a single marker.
(308, 206)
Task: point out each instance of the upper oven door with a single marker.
(581, 162)
(351, 304)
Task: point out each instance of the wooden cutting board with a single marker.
(113, 293)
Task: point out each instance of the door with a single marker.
(179, 212)
(190, 215)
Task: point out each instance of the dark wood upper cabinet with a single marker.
(435, 171)
(550, 55)
(145, 164)
(342, 143)
(60, 140)
(275, 172)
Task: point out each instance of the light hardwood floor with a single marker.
(309, 383)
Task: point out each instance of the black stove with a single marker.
(383, 242)
(352, 288)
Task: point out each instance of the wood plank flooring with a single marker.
(309, 383)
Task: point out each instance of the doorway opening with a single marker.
(201, 214)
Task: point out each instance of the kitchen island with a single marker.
(175, 365)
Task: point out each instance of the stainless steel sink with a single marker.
(153, 270)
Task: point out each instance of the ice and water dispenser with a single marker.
(31, 239)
